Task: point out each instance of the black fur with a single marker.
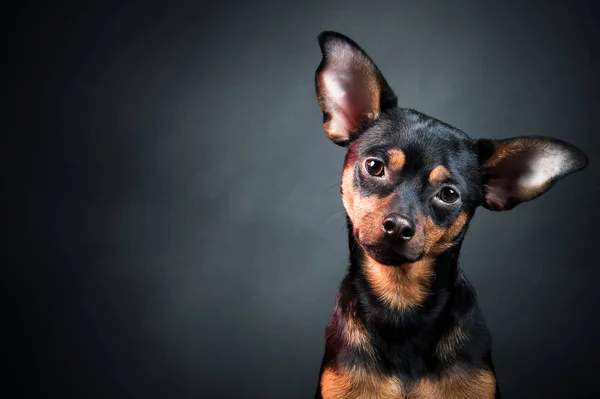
(404, 342)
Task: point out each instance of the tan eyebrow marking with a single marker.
(438, 175)
(396, 159)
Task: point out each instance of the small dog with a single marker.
(406, 323)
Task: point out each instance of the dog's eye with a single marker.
(448, 195)
(374, 167)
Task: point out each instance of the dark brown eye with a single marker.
(374, 167)
(448, 195)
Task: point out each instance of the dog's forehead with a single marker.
(418, 138)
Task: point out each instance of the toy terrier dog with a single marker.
(406, 323)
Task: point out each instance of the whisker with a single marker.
(329, 188)
(354, 245)
(333, 216)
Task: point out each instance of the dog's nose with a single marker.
(396, 225)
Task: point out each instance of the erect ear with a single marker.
(520, 169)
(350, 88)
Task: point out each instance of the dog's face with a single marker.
(411, 183)
(409, 186)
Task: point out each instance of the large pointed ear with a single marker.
(520, 169)
(350, 88)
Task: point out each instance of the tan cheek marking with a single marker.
(358, 383)
(439, 239)
(402, 287)
(348, 192)
(372, 204)
(457, 385)
(433, 233)
(449, 344)
(366, 213)
(368, 217)
(396, 159)
(438, 175)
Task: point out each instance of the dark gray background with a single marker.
(174, 203)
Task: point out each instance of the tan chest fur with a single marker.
(359, 383)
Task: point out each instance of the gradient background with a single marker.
(173, 202)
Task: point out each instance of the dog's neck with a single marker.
(406, 295)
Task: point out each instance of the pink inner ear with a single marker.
(348, 99)
(350, 116)
(499, 193)
(521, 170)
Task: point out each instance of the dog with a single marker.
(406, 322)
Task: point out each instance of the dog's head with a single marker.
(411, 183)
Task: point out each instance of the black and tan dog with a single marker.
(406, 323)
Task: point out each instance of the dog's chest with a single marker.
(357, 383)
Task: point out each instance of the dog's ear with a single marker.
(350, 88)
(520, 169)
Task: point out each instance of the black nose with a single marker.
(396, 225)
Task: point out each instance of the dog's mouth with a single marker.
(389, 256)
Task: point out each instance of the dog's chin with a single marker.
(389, 256)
